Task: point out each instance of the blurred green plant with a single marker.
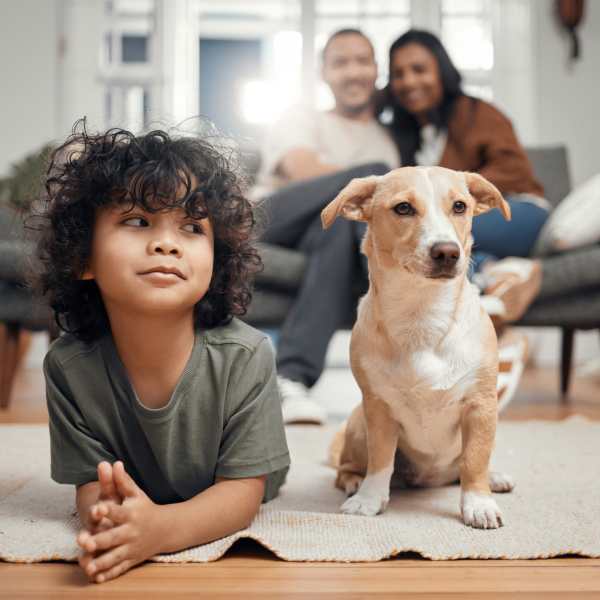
(24, 181)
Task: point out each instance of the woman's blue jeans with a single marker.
(495, 238)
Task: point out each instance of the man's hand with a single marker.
(136, 530)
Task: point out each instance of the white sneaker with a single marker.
(516, 282)
(296, 404)
(513, 351)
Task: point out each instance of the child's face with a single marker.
(150, 263)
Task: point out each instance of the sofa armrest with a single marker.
(283, 268)
(570, 271)
(14, 256)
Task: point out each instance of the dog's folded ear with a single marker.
(486, 195)
(353, 202)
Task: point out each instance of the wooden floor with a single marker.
(249, 571)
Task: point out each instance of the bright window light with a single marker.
(325, 100)
(287, 54)
(264, 101)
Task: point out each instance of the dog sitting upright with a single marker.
(423, 351)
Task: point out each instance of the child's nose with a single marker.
(166, 247)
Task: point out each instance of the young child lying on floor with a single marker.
(164, 409)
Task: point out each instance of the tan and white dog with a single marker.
(423, 351)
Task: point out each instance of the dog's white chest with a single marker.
(442, 372)
(433, 371)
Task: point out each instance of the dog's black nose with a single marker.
(445, 254)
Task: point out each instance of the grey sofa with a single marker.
(569, 298)
(19, 309)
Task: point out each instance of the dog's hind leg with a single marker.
(351, 453)
(501, 482)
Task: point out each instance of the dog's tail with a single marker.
(336, 447)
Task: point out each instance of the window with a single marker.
(269, 52)
(134, 48)
(381, 20)
(467, 35)
(265, 37)
(128, 63)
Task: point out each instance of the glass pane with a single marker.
(351, 8)
(133, 7)
(469, 42)
(257, 95)
(134, 48)
(457, 7)
(244, 10)
(383, 21)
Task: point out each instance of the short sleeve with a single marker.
(74, 450)
(253, 441)
(297, 129)
(505, 162)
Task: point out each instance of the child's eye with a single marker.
(193, 227)
(136, 222)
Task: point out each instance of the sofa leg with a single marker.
(566, 363)
(9, 360)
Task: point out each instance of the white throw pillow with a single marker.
(575, 221)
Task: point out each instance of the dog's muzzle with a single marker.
(444, 258)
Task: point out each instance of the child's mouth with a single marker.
(164, 273)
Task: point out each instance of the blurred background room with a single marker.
(241, 64)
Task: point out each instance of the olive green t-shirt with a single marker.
(223, 419)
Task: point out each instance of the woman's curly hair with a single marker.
(90, 171)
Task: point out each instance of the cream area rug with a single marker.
(554, 509)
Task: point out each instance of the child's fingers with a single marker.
(117, 514)
(85, 559)
(103, 525)
(98, 511)
(114, 571)
(105, 479)
(106, 561)
(82, 537)
(126, 486)
(117, 536)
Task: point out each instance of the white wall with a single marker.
(28, 77)
(82, 91)
(49, 72)
(568, 95)
(513, 77)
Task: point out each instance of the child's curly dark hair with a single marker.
(90, 171)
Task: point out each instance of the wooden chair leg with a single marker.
(9, 360)
(566, 363)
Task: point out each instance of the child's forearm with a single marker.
(226, 507)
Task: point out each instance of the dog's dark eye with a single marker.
(459, 207)
(404, 209)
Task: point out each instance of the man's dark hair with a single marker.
(341, 32)
(155, 172)
(405, 127)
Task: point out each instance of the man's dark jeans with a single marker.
(325, 301)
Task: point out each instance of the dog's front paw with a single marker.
(501, 482)
(368, 505)
(480, 511)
